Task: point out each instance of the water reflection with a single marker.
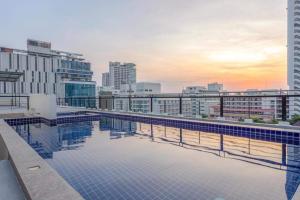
(47, 140)
(293, 171)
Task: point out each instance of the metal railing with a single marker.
(265, 106)
(14, 102)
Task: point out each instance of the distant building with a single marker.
(294, 53)
(107, 90)
(47, 71)
(120, 74)
(105, 79)
(258, 106)
(194, 90)
(141, 88)
(193, 107)
(215, 87)
(139, 104)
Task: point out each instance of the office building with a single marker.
(46, 71)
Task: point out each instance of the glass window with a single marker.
(27, 63)
(4, 87)
(39, 77)
(79, 90)
(22, 88)
(10, 61)
(36, 63)
(44, 64)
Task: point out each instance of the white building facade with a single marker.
(139, 89)
(120, 74)
(46, 71)
(105, 79)
(294, 52)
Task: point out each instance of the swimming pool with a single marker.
(119, 159)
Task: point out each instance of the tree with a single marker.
(295, 119)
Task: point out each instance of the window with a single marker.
(27, 63)
(44, 64)
(38, 88)
(39, 77)
(23, 75)
(52, 70)
(46, 77)
(4, 87)
(31, 88)
(36, 60)
(45, 88)
(54, 88)
(32, 76)
(18, 61)
(22, 88)
(10, 61)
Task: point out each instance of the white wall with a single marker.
(44, 105)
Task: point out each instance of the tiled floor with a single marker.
(119, 159)
(9, 187)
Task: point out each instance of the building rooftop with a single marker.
(44, 49)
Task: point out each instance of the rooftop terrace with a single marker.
(270, 144)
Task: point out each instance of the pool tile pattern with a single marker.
(265, 134)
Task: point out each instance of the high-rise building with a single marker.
(294, 52)
(105, 79)
(120, 74)
(46, 71)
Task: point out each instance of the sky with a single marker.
(178, 43)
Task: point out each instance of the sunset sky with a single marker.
(179, 43)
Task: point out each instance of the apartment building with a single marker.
(119, 74)
(294, 53)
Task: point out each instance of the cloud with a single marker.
(171, 41)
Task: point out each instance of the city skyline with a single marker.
(239, 43)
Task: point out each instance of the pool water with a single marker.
(117, 159)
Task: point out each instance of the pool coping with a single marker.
(267, 133)
(199, 120)
(37, 179)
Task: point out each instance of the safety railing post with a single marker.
(284, 108)
(180, 105)
(221, 106)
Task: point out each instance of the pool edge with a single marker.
(37, 179)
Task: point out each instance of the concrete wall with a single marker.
(44, 105)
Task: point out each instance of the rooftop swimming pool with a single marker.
(112, 158)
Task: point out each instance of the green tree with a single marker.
(295, 119)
